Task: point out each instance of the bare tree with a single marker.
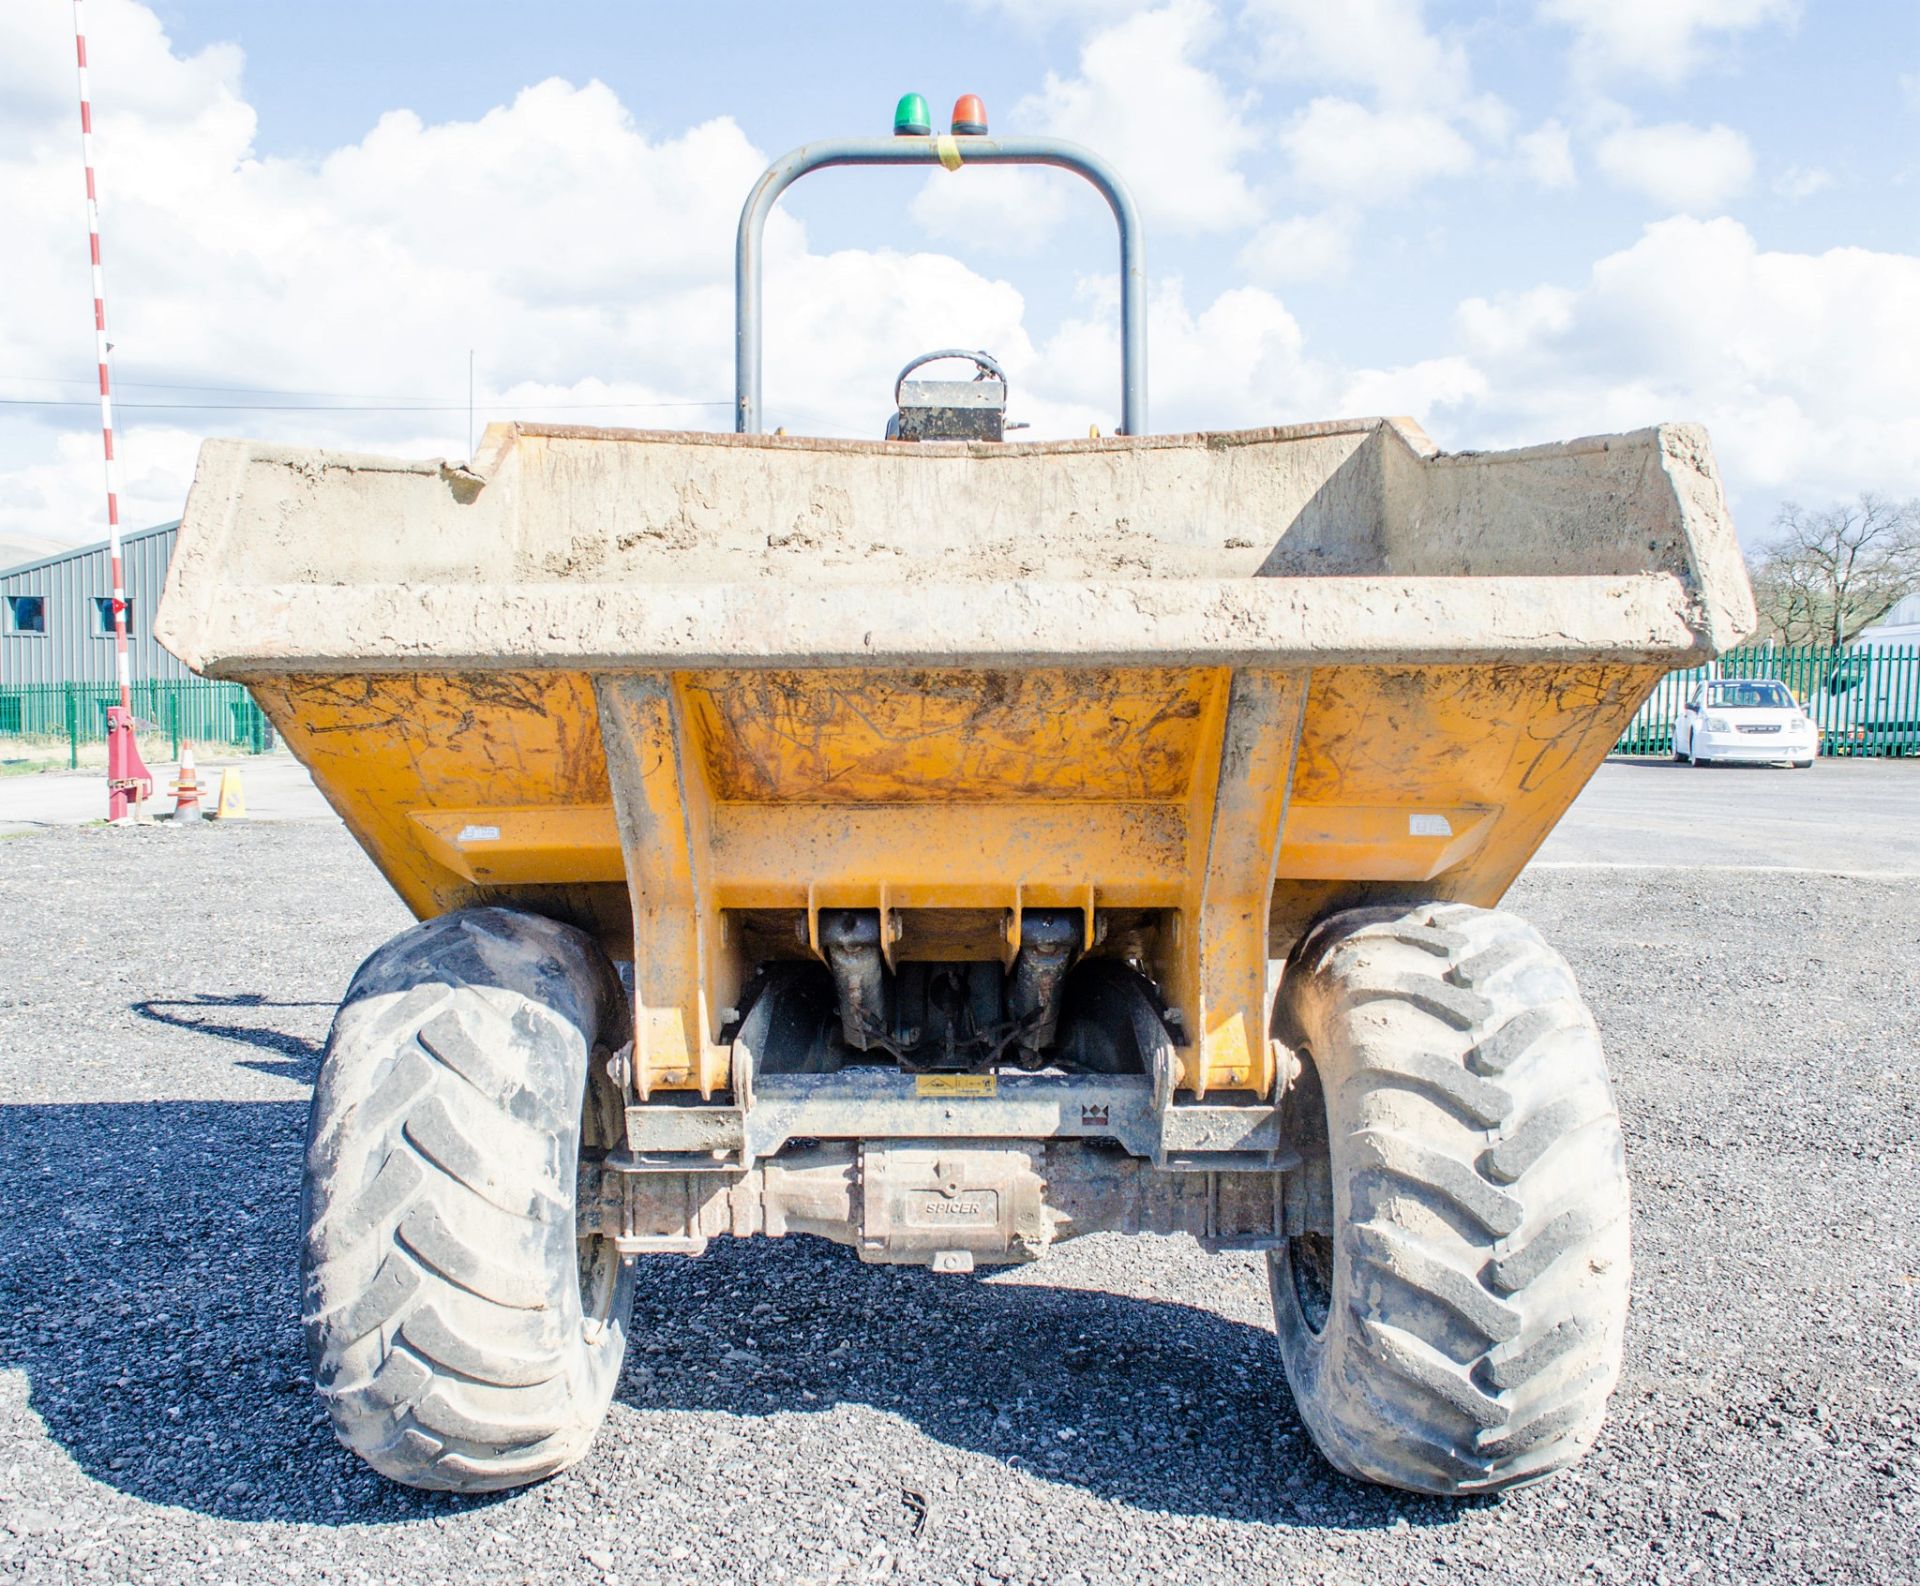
(1826, 575)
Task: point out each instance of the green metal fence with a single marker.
(1865, 701)
(195, 711)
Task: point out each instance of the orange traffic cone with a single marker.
(186, 788)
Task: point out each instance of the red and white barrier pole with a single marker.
(125, 774)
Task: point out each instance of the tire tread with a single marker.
(1486, 1276)
(442, 1306)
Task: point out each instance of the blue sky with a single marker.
(1818, 92)
(1514, 221)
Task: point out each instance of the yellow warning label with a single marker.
(233, 797)
(956, 1085)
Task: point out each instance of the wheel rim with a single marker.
(1310, 1264)
(599, 1261)
(1310, 1253)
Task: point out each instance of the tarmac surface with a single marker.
(1113, 1413)
(277, 788)
(1852, 816)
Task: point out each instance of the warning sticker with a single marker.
(956, 1085)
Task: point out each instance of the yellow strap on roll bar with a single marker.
(947, 148)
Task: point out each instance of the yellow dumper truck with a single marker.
(948, 846)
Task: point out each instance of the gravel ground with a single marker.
(1115, 1413)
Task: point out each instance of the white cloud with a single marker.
(60, 493)
(1661, 39)
(1419, 390)
(1301, 248)
(1238, 361)
(587, 263)
(1517, 322)
(841, 325)
(1800, 364)
(1140, 96)
(1381, 45)
(1006, 209)
(1678, 166)
(1420, 83)
(1802, 181)
(149, 85)
(1242, 361)
(1364, 156)
(590, 263)
(1546, 154)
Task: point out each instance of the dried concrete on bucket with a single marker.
(1323, 542)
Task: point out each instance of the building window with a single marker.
(103, 615)
(26, 613)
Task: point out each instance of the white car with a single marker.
(1745, 721)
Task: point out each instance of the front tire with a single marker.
(1452, 1297)
(463, 1337)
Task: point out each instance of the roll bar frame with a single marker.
(952, 152)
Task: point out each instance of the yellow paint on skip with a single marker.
(1227, 809)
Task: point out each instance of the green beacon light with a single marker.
(911, 118)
